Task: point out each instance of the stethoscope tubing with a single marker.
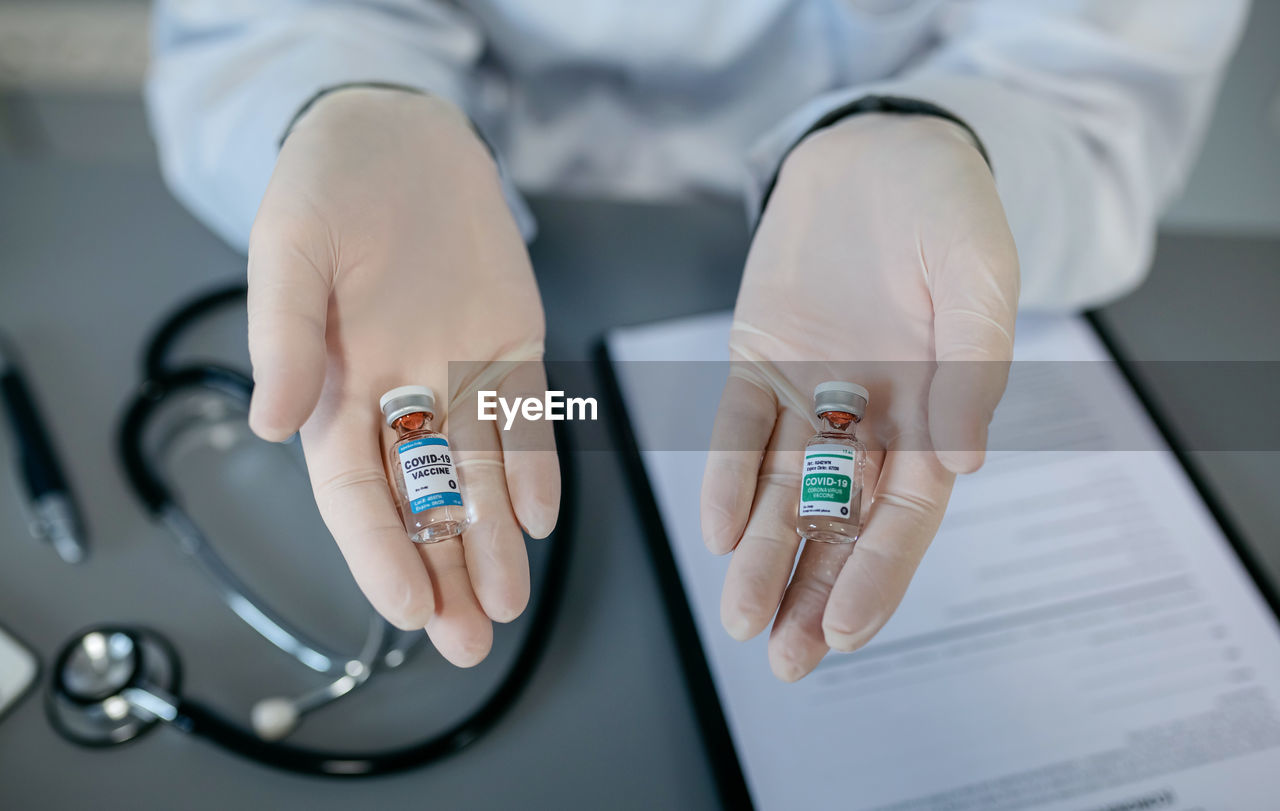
(198, 719)
(149, 487)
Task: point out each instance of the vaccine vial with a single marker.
(831, 481)
(423, 476)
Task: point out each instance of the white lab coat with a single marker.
(1091, 110)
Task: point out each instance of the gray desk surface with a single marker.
(90, 256)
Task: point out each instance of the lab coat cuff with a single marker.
(766, 159)
(515, 201)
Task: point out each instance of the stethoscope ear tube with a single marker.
(155, 361)
(141, 475)
(160, 379)
(145, 478)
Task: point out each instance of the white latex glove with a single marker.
(382, 251)
(884, 241)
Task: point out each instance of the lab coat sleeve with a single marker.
(1091, 112)
(227, 78)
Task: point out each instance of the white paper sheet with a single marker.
(1080, 636)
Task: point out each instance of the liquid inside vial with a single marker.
(423, 475)
(830, 509)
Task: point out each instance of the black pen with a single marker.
(54, 518)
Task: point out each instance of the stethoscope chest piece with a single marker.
(110, 685)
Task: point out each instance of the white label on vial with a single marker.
(826, 487)
(429, 476)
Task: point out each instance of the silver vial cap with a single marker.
(837, 395)
(406, 400)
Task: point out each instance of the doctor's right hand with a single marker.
(383, 250)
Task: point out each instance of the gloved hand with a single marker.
(884, 248)
(383, 250)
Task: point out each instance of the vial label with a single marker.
(827, 484)
(429, 476)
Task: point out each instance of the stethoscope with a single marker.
(111, 684)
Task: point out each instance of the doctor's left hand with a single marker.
(382, 251)
(883, 251)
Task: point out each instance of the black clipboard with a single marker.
(718, 742)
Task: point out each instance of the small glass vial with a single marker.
(831, 481)
(423, 476)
